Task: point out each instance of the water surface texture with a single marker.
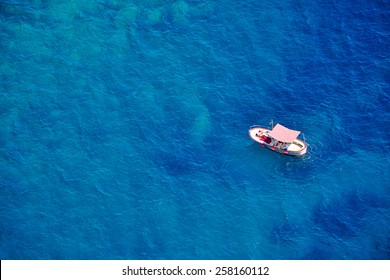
(123, 129)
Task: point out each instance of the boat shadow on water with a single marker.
(354, 215)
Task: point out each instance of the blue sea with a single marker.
(124, 129)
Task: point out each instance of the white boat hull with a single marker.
(259, 135)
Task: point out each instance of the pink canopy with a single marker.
(283, 134)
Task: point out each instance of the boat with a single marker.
(279, 139)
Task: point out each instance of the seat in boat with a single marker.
(267, 140)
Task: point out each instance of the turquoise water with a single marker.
(124, 129)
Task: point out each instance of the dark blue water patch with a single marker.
(383, 100)
(285, 233)
(180, 161)
(96, 131)
(318, 251)
(169, 22)
(330, 60)
(110, 5)
(345, 218)
(241, 113)
(150, 245)
(164, 25)
(175, 165)
(360, 130)
(212, 149)
(332, 222)
(340, 142)
(17, 10)
(298, 168)
(254, 169)
(8, 231)
(228, 184)
(6, 34)
(382, 249)
(12, 152)
(248, 117)
(285, 100)
(70, 175)
(245, 169)
(22, 126)
(12, 183)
